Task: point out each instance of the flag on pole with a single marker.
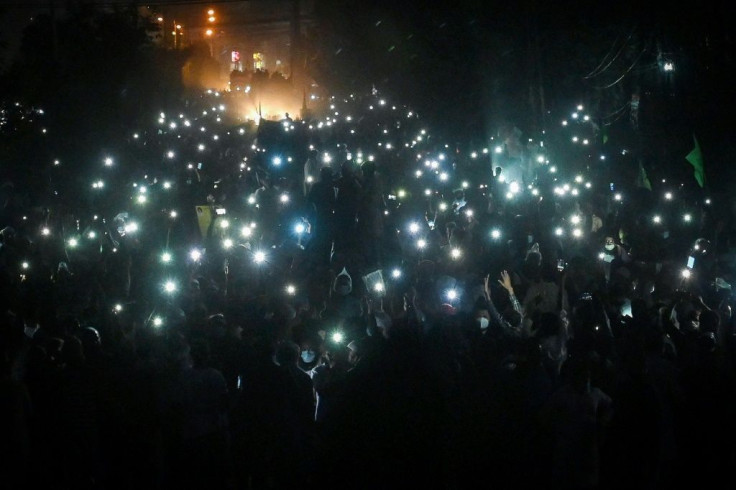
(695, 157)
(642, 180)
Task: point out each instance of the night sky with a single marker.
(473, 66)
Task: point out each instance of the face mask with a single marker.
(308, 356)
(610, 246)
(483, 321)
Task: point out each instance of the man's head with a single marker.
(287, 353)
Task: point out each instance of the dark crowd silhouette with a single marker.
(291, 305)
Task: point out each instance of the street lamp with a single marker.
(178, 32)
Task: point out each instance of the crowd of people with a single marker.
(344, 302)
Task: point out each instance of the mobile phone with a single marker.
(611, 184)
(690, 262)
(561, 264)
(199, 166)
(220, 211)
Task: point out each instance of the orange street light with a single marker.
(211, 18)
(208, 32)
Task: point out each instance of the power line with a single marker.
(626, 72)
(598, 71)
(592, 73)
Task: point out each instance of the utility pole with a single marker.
(295, 42)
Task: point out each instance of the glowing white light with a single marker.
(414, 227)
(657, 219)
(108, 162)
(118, 307)
(337, 337)
(91, 235)
(158, 321)
(251, 200)
(514, 187)
(276, 161)
(444, 176)
(668, 196)
(468, 213)
(618, 197)
(686, 273)
(141, 199)
(166, 257)
(465, 184)
(224, 224)
(577, 232)
(170, 154)
(498, 149)
(495, 233)
(421, 243)
(73, 242)
(396, 273)
(259, 257)
(25, 265)
(284, 198)
(575, 219)
(300, 228)
(455, 253)
(45, 231)
(131, 228)
(552, 169)
(687, 218)
(227, 243)
(378, 287)
(452, 294)
(170, 286)
(559, 231)
(195, 255)
(290, 289)
(574, 139)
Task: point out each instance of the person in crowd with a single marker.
(146, 346)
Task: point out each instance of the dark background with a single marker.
(470, 67)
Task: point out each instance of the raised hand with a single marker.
(505, 282)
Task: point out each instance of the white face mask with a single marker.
(308, 356)
(483, 321)
(610, 246)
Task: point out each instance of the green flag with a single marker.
(642, 180)
(695, 157)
